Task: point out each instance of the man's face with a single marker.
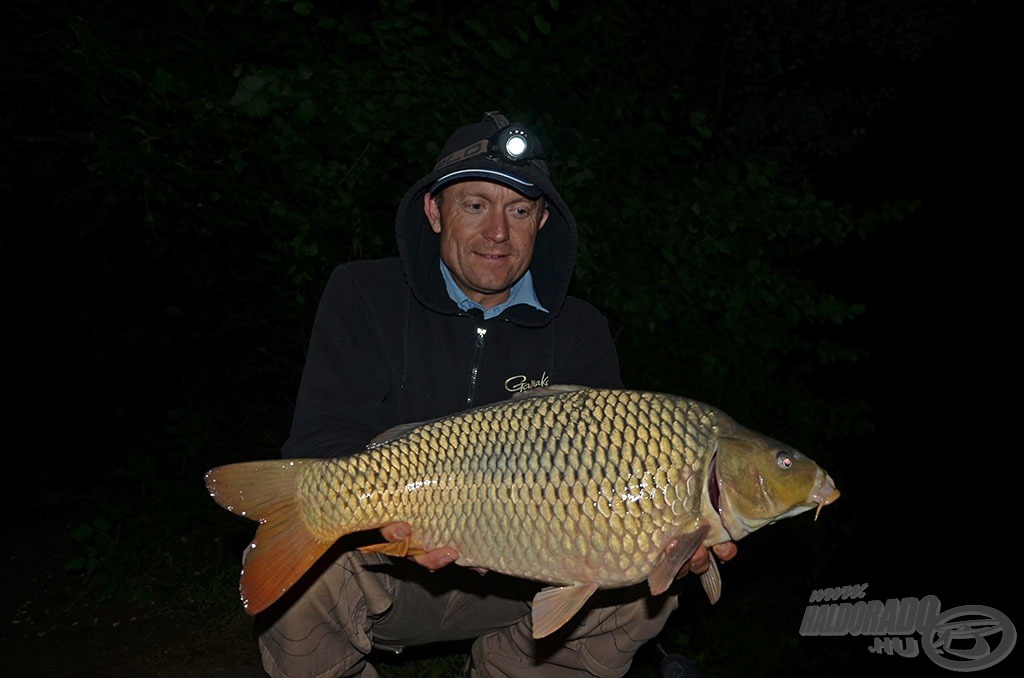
(487, 236)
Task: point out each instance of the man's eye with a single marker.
(474, 206)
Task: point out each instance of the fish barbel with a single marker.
(578, 488)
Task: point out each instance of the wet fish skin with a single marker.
(579, 488)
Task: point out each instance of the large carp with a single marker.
(580, 488)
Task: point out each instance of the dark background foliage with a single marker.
(792, 210)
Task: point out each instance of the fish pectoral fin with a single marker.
(664, 573)
(711, 580)
(399, 549)
(555, 605)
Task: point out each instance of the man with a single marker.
(473, 310)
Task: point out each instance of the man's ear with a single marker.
(544, 218)
(433, 212)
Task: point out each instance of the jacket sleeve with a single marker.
(344, 380)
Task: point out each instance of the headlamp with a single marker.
(511, 143)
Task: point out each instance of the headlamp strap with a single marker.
(497, 118)
(476, 148)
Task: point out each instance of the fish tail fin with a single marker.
(283, 548)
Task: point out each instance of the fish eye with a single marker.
(784, 459)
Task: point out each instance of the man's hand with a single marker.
(700, 561)
(432, 560)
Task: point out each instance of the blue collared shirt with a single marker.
(521, 293)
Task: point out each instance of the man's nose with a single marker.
(497, 227)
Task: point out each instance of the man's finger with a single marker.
(697, 563)
(699, 560)
(725, 551)
(396, 531)
(432, 560)
(438, 558)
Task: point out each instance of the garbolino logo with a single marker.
(965, 638)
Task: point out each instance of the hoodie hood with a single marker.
(470, 154)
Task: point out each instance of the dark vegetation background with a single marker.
(797, 211)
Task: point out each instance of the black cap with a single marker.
(470, 153)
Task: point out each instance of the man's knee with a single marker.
(608, 646)
(327, 630)
(602, 642)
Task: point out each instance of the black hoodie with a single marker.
(389, 346)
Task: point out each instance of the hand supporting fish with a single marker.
(701, 561)
(434, 559)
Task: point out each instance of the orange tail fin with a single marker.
(283, 548)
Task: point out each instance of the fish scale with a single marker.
(361, 492)
(579, 488)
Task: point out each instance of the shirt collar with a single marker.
(521, 293)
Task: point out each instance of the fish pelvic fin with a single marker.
(678, 552)
(711, 580)
(399, 549)
(555, 605)
(283, 548)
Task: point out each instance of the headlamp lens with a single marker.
(514, 143)
(515, 146)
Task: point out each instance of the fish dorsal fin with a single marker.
(542, 391)
(665, 571)
(394, 433)
(555, 605)
(711, 580)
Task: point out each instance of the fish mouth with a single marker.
(824, 494)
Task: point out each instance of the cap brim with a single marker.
(517, 184)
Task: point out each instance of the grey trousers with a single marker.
(366, 601)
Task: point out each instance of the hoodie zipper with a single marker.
(478, 351)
